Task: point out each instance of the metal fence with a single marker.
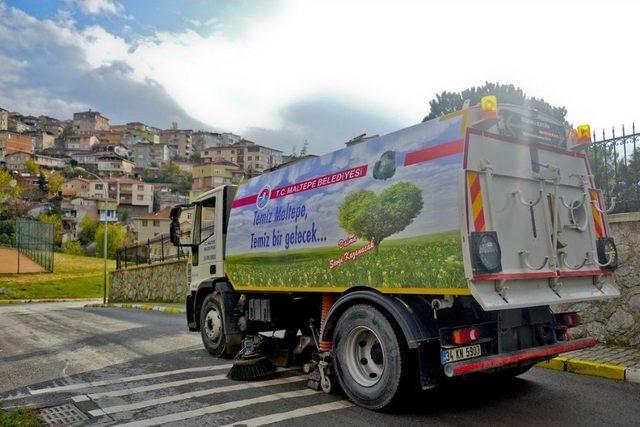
(34, 239)
(616, 168)
(156, 250)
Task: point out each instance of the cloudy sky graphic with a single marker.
(438, 180)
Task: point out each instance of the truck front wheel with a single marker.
(371, 362)
(212, 327)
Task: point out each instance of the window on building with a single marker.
(140, 197)
(145, 222)
(99, 187)
(141, 187)
(156, 223)
(248, 157)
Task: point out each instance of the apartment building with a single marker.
(11, 142)
(17, 161)
(89, 122)
(110, 164)
(4, 119)
(81, 142)
(76, 187)
(48, 162)
(134, 197)
(50, 125)
(250, 156)
(205, 139)
(151, 225)
(42, 140)
(179, 142)
(147, 155)
(212, 174)
(73, 211)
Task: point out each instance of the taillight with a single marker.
(570, 320)
(465, 335)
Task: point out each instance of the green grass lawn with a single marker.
(73, 276)
(433, 261)
(24, 417)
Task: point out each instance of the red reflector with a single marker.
(569, 320)
(465, 335)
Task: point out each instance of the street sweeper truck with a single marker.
(406, 260)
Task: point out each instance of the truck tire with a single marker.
(371, 360)
(212, 327)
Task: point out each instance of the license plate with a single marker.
(460, 353)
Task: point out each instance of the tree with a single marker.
(88, 226)
(57, 226)
(170, 173)
(32, 167)
(375, 218)
(43, 184)
(55, 181)
(116, 237)
(448, 102)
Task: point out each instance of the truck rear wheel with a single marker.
(212, 327)
(371, 362)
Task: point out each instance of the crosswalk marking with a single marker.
(142, 389)
(198, 393)
(125, 379)
(296, 413)
(159, 386)
(179, 416)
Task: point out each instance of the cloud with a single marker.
(99, 7)
(327, 71)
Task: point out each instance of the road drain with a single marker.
(62, 415)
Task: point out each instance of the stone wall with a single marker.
(617, 321)
(150, 283)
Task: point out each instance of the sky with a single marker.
(283, 72)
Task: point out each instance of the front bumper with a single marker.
(498, 360)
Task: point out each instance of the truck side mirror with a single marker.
(174, 228)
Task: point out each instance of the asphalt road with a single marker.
(119, 366)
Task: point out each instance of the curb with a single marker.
(147, 307)
(592, 368)
(33, 301)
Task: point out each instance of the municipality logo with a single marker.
(263, 197)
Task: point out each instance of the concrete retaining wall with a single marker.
(150, 283)
(617, 321)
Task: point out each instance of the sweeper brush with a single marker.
(250, 362)
(251, 369)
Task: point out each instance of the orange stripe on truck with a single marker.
(597, 216)
(476, 202)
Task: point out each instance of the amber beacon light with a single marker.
(489, 105)
(584, 134)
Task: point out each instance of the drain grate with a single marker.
(62, 415)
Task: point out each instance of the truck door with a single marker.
(206, 257)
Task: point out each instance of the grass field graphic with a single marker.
(430, 261)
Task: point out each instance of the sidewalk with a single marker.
(165, 307)
(613, 362)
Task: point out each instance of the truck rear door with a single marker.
(540, 203)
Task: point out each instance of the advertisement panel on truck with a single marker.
(383, 213)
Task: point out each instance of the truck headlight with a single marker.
(607, 252)
(485, 252)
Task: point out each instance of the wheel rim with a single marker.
(213, 325)
(364, 356)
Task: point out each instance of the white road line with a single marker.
(296, 413)
(179, 416)
(159, 386)
(142, 389)
(125, 379)
(191, 394)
